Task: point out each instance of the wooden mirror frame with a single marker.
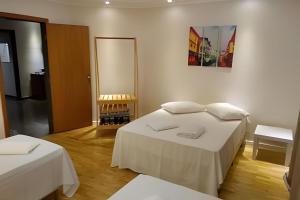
(97, 71)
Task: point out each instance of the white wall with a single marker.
(29, 50)
(8, 68)
(264, 79)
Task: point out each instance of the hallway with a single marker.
(28, 117)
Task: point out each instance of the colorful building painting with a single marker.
(211, 46)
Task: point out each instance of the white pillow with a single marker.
(181, 107)
(226, 111)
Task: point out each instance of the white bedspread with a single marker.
(199, 164)
(37, 174)
(149, 188)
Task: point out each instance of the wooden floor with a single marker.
(91, 154)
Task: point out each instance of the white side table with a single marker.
(274, 134)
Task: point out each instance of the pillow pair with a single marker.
(224, 111)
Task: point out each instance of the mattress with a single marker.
(37, 174)
(199, 164)
(150, 188)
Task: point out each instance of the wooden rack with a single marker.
(116, 102)
(117, 99)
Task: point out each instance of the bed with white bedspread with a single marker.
(35, 175)
(200, 164)
(150, 188)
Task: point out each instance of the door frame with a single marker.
(42, 21)
(28, 18)
(3, 103)
(12, 37)
(47, 76)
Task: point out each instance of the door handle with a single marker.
(89, 76)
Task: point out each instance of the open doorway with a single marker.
(23, 69)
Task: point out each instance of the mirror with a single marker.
(115, 59)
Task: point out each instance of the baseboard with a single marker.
(23, 98)
(17, 98)
(263, 145)
(11, 97)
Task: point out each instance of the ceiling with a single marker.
(131, 3)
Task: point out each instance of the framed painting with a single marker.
(211, 46)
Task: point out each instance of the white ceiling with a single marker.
(131, 3)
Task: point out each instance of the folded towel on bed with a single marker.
(162, 124)
(191, 132)
(17, 148)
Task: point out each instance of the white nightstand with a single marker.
(274, 134)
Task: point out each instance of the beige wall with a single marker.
(264, 79)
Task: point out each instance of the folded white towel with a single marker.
(191, 132)
(17, 148)
(162, 124)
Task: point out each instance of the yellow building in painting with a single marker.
(194, 47)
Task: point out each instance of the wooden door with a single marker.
(69, 76)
